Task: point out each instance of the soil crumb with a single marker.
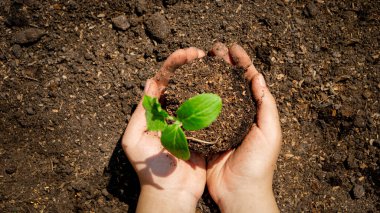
(213, 75)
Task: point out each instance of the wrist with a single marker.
(250, 199)
(152, 199)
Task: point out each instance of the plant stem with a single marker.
(200, 141)
(171, 118)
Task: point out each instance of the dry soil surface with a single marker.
(73, 71)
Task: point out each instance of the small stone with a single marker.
(263, 53)
(105, 193)
(170, 2)
(78, 186)
(157, 27)
(358, 191)
(69, 188)
(351, 163)
(30, 111)
(128, 85)
(141, 7)
(128, 58)
(10, 170)
(103, 148)
(28, 36)
(17, 50)
(360, 121)
(121, 22)
(89, 56)
(295, 73)
(311, 10)
(367, 94)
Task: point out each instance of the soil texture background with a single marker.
(72, 72)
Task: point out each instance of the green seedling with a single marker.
(194, 114)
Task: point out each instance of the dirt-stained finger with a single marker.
(175, 60)
(241, 59)
(267, 114)
(221, 50)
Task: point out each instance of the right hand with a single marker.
(240, 180)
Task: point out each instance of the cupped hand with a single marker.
(240, 180)
(167, 184)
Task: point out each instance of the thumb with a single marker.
(267, 114)
(137, 125)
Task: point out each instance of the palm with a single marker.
(252, 163)
(160, 169)
(248, 164)
(155, 166)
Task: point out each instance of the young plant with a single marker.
(194, 114)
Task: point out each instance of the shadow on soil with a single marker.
(123, 181)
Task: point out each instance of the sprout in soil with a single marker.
(194, 114)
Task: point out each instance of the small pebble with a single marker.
(170, 2)
(158, 27)
(121, 22)
(311, 10)
(141, 7)
(367, 94)
(351, 163)
(360, 121)
(10, 170)
(128, 85)
(28, 36)
(30, 111)
(358, 191)
(101, 15)
(17, 50)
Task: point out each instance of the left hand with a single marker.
(164, 179)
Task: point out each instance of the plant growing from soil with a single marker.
(194, 114)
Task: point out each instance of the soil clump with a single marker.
(213, 75)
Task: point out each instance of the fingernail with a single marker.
(262, 80)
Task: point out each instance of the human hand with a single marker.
(240, 180)
(167, 184)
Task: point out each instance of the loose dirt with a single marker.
(72, 74)
(211, 75)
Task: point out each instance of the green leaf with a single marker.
(174, 140)
(199, 111)
(155, 115)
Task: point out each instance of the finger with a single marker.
(137, 125)
(267, 114)
(220, 50)
(241, 59)
(175, 60)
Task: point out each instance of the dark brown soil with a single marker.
(211, 75)
(70, 78)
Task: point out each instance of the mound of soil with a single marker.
(213, 75)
